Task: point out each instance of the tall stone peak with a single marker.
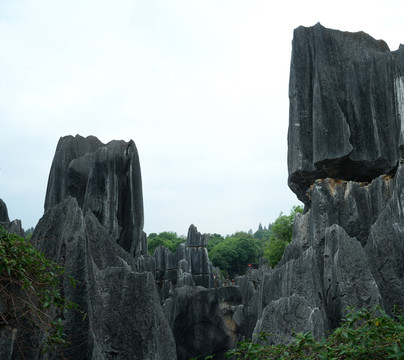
(346, 107)
(104, 178)
(344, 160)
(3, 212)
(13, 226)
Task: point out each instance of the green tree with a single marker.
(262, 233)
(168, 239)
(235, 252)
(214, 239)
(280, 236)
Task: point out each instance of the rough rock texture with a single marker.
(3, 212)
(124, 317)
(344, 107)
(14, 226)
(345, 142)
(385, 246)
(337, 258)
(197, 257)
(190, 265)
(246, 315)
(7, 338)
(202, 320)
(105, 179)
(200, 317)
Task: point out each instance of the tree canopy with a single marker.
(235, 252)
(168, 239)
(280, 236)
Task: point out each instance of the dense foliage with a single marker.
(363, 334)
(30, 289)
(233, 254)
(280, 235)
(168, 239)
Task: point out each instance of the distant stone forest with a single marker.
(345, 164)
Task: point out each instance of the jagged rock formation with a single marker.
(202, 320)
(124, 317)
(200, 315)
(3, 212)
(345, 142)
(14, 226)
(190, 265)
(105, 179)
(93, 226)
(345, 108)
(345, 148)
(197, 257)
(246, 315)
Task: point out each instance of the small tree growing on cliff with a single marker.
(235, 252)
(281, 236)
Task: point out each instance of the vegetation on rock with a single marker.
(30, 290)
(168, 239)
(364, 334)
(235, 252)
(280, 235)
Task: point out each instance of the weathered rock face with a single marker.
(105, 179)
(3, 212)
(15, 226)
(202, 320)
(246, 315)
(345, 108)
(190, 265)
(67, 149)
(124, 317)
(337, 258)
(198, 259)
(345, 142)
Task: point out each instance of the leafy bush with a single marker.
(235, 252)
(280, 236)
(363, 334)
(168, 239)
(30, 289)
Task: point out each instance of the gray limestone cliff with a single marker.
(104, 178)
(124, 316)
(93, 226)
(345, 163)
(345, 108)
(13, 226)
(202, 320)
(190, 265)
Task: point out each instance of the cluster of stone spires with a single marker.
(106, 179)
(345, 141)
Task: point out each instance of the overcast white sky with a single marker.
(200, 86)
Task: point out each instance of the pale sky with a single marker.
(200, 86)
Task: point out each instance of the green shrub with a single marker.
(363, 335)
(30, 289)
(168, 239)
(280, 236)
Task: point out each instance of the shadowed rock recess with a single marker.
(345, 163)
